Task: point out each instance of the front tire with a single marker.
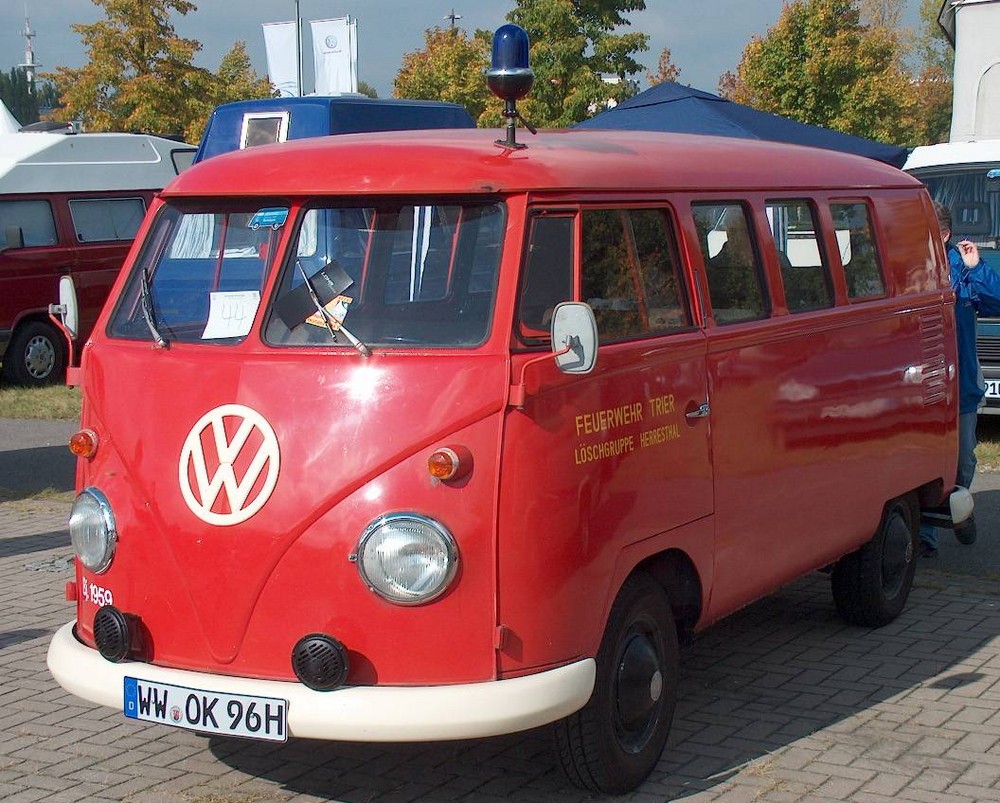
(36, 355)
(614, 742)
(871, 585)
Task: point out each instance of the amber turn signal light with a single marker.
(83, 443)
(449, 463)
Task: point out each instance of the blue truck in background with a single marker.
(234, 126)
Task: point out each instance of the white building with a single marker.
(973, 27)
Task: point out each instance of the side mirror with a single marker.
(67, 308)
(574, 337)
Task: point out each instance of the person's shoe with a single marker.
(928, 551)
(966, 531)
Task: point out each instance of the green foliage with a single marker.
(934, 83)
(449, 68)
(573, 43)
(15, 92)
(140, 75)
(367, 89)
(821, 64)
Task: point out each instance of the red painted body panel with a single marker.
(355, 437)
(565, 517)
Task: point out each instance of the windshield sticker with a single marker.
(337, 310)
(231, 314)
(274, 217)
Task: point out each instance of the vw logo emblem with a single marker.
(244, 465)
(331, 42)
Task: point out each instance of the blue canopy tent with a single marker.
(681, 109)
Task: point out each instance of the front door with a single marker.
(594, 463)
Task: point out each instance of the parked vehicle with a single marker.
(246, 123)
(70, 204)
(965, 177)
(472, 432)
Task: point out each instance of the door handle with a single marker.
(701, 411)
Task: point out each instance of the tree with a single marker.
(821, 64)
(367, 89)
(140, 75)
(580, 63)
(449, 68)
(666, 70)
(934, 85)
(16, 94)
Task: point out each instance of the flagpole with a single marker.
(298, 46)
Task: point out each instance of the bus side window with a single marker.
(547, 277)
(857, 250)
(26, 224)
(735, 283)
(630, 276)
(803, 272)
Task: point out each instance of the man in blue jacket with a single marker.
(977, 290)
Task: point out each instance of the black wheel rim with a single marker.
(638, 690)
(897, 554)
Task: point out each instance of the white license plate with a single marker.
(207, 711)
(993, 388)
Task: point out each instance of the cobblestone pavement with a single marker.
(781, 702)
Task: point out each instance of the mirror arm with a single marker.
(518, 393)
(59, 310)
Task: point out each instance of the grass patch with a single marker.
(53, 402)
(49, 494)
(988, 450)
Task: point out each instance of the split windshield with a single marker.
(393, 274)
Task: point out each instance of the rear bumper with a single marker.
(358, 713)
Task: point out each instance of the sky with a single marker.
(706, 37)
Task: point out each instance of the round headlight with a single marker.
(92, 530)
(406, 558)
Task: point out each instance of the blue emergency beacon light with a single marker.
(509, 76)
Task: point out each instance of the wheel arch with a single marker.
(675, 572)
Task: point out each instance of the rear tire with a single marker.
(614, 742)
(871, 585)
(35, 356)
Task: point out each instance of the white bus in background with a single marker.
(965, 177)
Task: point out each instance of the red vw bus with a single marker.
(412, 436)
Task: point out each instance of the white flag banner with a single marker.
(335, 55)
(282, 57)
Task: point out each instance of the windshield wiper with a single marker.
(328, 318)
(146, 303)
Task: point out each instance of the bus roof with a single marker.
(45, 162)
(954, 153)
(470, 162)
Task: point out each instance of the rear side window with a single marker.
(630, 273)
(26, 224)
(857, 250)
(106, 219)
(735, 283)
(804, 275)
